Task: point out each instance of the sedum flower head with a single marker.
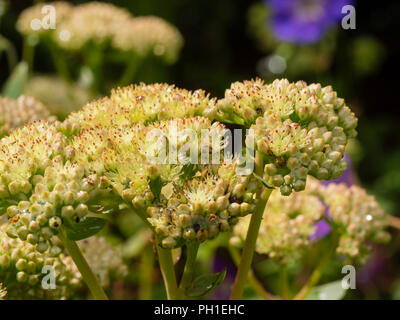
(150, 36)
(95, 22)
(142, 104)
(358, 217)
(287, 225)
(15, 113)
(299, 129)
(104, 260)
(21, 266)
(69, 97)
(24, 24)
(181, 201)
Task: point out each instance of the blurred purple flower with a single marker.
(348, 178)
(222, 260)
(304, 21)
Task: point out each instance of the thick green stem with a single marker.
(187, 276)
(130, 71)
(284, 284)
(146, 271)
(28, 52)
(59, 63)
(317, 273)
(257, 286)
(252, 233)
(84, 268)
(168, 271)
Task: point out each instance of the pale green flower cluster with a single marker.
(105, 24)
(24, 24)
(105, 261)
(142, 104)
(299, 129)
(360, 218)
(135, 148)
(21, 267)
(150, 35)
(101, 157)
(15, 113)
(95, 22)
(70, 96)
(288, 222)
(287, 225)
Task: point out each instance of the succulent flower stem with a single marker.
(59, 63)
(28, 52)
(257, 286)
(284, 283)
(146, 270)
(84, 268)
(191, 253)
(129, 73)
(252, 233)
(318, 271)
(168, 271)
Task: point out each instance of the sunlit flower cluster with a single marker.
(15, 113)
(299, 129)
(143, 147)
(142, 104)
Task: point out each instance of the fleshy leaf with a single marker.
(84, 229)
(205, 284)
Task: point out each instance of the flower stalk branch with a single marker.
(84, 268)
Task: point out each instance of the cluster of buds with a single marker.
(24, 269)
(15, 113)
(95, 22)
(182, 200)
(299, 129)
(69, 97)
(103, 24)
(35, 13)
(40, 189)
(201, 208)
(146, 36)
(136, 148)
(288, 223)
(358, 218)
(104, 260)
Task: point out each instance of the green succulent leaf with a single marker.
(156, 186)
(84, 229)
(205, 284)
(14, 85)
